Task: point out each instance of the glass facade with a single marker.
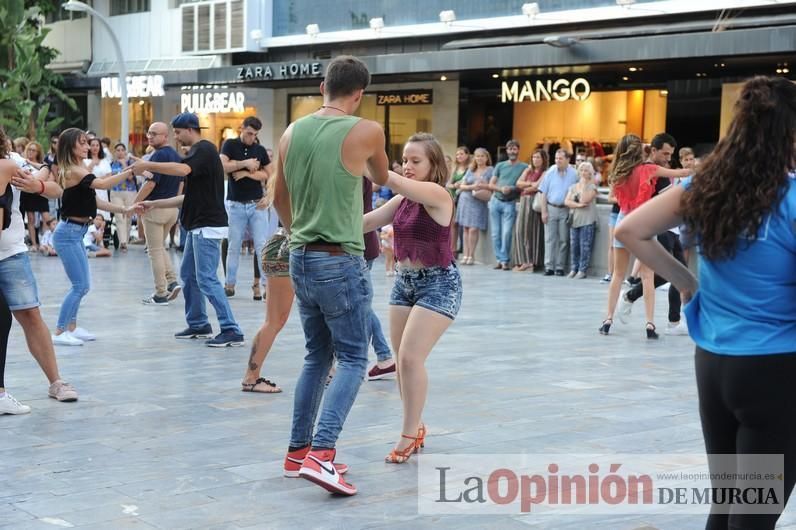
(291, 17)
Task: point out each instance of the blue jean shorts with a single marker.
(613, 219)
(617, 243)
(17, 283)
(438, 289)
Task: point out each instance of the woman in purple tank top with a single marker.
(428, 289)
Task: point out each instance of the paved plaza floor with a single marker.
(163, 437)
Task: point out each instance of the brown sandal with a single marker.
(267, 387)
(400, 456)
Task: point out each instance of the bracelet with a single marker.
(42, 186)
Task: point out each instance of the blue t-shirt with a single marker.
(747, 305)
(166, 186)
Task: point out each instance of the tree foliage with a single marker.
(27, 87)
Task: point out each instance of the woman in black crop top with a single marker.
(79, 205)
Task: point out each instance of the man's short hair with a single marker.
(253, 122)
(663, 138)
(345, 75)
(118, 144)
(513, 142)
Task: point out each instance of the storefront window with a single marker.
(141, 116)
(292, 16)
(399, 121)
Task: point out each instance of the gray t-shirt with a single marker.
(583, 216)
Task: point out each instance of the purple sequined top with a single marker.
(419, 237)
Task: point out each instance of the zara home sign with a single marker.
(545, 90)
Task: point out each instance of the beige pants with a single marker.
(157, 224)
(124, 199)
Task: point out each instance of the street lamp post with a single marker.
(75, 5)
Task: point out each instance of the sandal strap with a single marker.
(651, 324)
(409, 437)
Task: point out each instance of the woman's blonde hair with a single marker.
(474, 164)
(65, 154)
(587, 165)
(439, 169)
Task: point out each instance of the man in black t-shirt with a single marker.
(205, 219)
(245, 162)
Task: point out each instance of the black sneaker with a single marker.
(156, 300)
(559, 273)
(224, 339)
(548, 272)
(174, 289)
(190, 333)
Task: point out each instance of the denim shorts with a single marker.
(276, 255)
(613, 219)
(436, 288)
(17, 283)
(617, 243)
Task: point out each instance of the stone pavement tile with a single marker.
(48, 505)
(10, 515)
(124, 523)
(194, 480)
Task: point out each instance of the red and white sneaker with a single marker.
(294, 459)
(319, 468)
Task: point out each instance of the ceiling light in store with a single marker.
(141, 103)
(313, 30)
(785, 71)
(495, 76)
(447, 17)
(779, 70)
(443, 78)
(377, 24)
(664, 92)
(625, 78)
(632, 68)
(530, 10)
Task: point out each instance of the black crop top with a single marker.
(6, 200)
(80, 200)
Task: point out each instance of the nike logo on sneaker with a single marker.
(332, 471)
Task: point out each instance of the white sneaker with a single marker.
(67, 339)
(84, 335)
(9, 405)
(677, 328)
(625, 308)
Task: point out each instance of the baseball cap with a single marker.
(186, 120)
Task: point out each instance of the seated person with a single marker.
(46, 239)
(93, 239)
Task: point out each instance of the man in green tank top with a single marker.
(318, 197)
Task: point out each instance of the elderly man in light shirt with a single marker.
(555, 184)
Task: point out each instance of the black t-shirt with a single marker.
(247, 189)
(80, 200)
(204, 188)
(166, 186)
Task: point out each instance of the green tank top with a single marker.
(325, 198)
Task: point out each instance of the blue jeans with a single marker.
(68, 243)
(380, 345)
(501, 224)
(334, 296)
(199, 274)
(261, 224)
(581, 242)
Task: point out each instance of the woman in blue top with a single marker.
(741, 205)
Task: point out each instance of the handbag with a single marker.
(537, 202)
(482, 195)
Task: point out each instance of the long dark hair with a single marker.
(545, 160)
(744, 178)
(67, 141)
(629, 154)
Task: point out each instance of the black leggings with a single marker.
(671, 243)
(5, 329)
(747, 406)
